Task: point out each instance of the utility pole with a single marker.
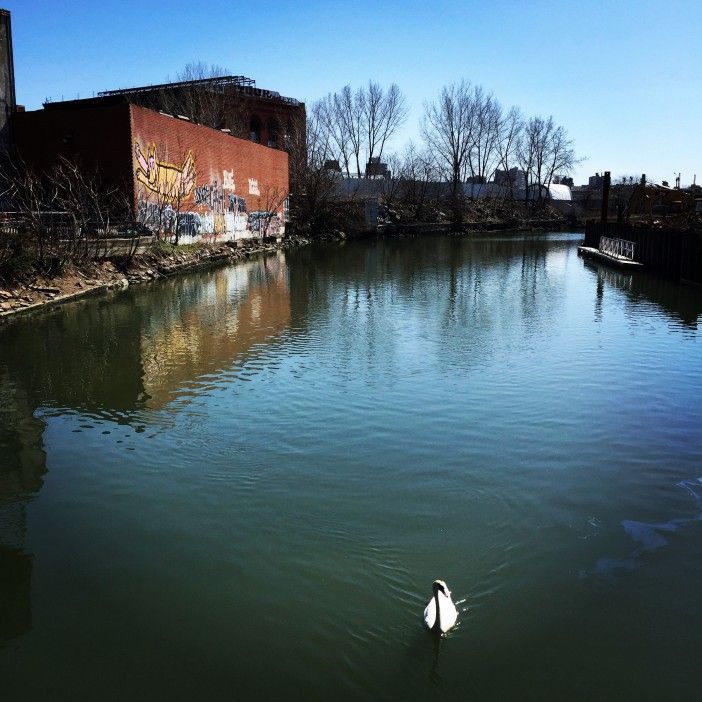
(605, 195)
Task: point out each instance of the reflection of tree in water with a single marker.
(460, 290)
(681, 304)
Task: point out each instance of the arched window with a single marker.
(273, 130)
(255, 129)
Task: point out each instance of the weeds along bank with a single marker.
(32, 289)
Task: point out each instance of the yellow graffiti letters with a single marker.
(173, 183)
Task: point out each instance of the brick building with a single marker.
(232, 103)
(180, 176)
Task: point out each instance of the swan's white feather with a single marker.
(449, 613)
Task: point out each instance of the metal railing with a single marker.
(617, 248)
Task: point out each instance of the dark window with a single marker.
(273, 130)
(255, 129)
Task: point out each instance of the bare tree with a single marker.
(417, 171)
(202, 103)
(383, 113)
(270, 203)
(510, 132)
(66, 213)
(200, 97)
(360, 123)
(448, 128)
(561, 158)
(30, 196)
(92, 207)
(314, 186)
(544, 151)
(528, 151)
(348, 109)
(336, 117)
(484, 155)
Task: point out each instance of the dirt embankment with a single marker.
(36, 290)
(477, 216)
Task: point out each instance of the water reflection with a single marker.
(119, 354)
(207, 325)
(682, 304)
(462, 291)
(116, 357)
(382, 310)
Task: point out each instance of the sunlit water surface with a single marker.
(240, 483)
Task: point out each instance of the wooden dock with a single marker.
(618, 261)
(674, 253)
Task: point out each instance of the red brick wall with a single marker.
(205, 174)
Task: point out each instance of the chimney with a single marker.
(7, 82)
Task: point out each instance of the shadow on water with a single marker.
(120, 357)
(22, 468)
(682, 304)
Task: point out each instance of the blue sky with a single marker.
(623, 77)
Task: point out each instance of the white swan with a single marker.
(440, 614)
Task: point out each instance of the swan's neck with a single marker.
(437, 624)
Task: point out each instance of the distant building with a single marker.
(553, 193)
(514, 178)
(376, 169)
(332, 165)
(595, 181)
(563, 180)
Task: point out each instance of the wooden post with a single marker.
(605, 196)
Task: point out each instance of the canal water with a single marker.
(241, 483)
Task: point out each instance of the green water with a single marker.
(241, 483)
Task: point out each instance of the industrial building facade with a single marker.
(199, 182)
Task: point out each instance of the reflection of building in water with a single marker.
(209, 326)
(99, 358)
(21, 477)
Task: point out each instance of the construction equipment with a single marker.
(670, 203)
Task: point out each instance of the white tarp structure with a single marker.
(560, 192)
(479, 191)
(556, 193)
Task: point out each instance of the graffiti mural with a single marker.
(211, 195)
(156, 217)
(172, 201)
(171, 182)
(236, 203)
(265, 223)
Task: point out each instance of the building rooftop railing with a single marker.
(218, 82)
